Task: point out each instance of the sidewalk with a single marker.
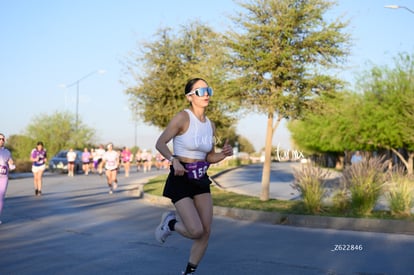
(247, 180)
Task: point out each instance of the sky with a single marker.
(46, 45)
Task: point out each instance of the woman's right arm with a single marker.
(173, 128)
(176, 126)
(33, 158)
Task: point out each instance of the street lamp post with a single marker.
(398, 7)
(77, 92)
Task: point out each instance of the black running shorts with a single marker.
(179, 187)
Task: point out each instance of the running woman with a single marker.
(126, 157)
(99, 155)
(111, 160)
(138, 160)
(86, 156)
(71, 157)
(6, 164)
(188, 185)
(38, 157)
(146, 159)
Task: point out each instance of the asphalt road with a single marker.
(247, 180)
(76, 227)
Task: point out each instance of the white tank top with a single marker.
(197, 141)
(111, 160)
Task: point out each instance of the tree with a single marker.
(20, 146)
(57, 132)
(379, 116)
(281, 53)
(332, 127)
(167, 64)
(238, 140)
(245, 145)
(387, 120)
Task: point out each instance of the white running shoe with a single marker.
(163, 231)
(110, 191)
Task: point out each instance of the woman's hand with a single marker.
(179, 169)
(227, 150)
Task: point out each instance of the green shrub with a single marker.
(400, 194)
(365, 181)
(234, 162)
(341, 201)
(309, 182)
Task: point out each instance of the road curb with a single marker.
(322, 222)
(337, 223)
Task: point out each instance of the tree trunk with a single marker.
(410, 163)
(339, 163)
(268, 156)
(267, 162)
(407, 163)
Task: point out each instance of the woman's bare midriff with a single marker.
(188, 160)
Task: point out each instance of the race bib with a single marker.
(4, 170)
(196, 170)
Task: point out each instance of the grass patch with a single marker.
(233, 200)
(229, 199)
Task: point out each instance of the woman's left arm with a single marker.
(227, 150)
(11, 163)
